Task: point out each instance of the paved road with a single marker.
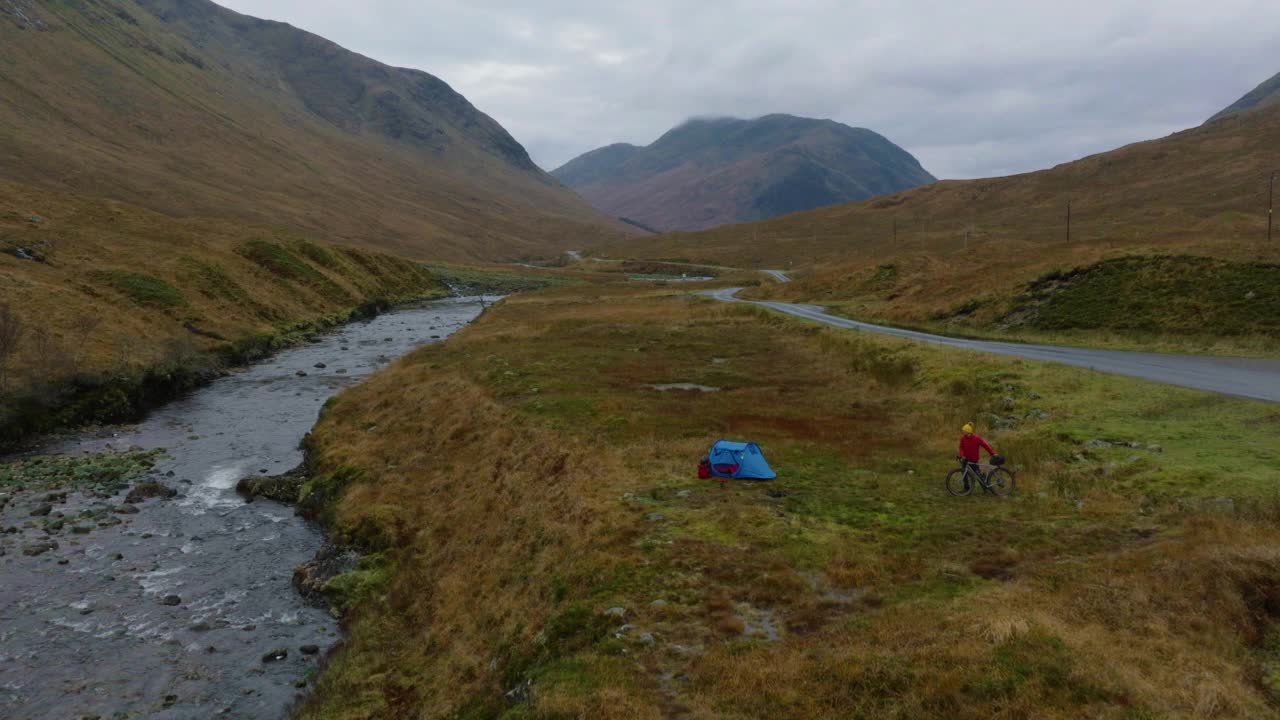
(1244, 377)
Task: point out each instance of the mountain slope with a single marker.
(709, 172)
(1204, 189)
(188, 108)
(1267, 93)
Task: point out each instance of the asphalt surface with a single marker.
(1258, 379)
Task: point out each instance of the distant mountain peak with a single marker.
(713, 170)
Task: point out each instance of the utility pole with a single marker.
(1271, 198)
(895, 230)
(1068, 220)
(966, 236)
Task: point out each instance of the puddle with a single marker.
(688, 387)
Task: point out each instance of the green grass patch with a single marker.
(1173, 294)
(276, 259)
(141, 288)
(476, 281)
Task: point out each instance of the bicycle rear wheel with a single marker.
(958, 483)
(1000, 482)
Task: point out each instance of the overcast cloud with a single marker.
(990, 88)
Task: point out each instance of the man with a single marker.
(971, 446)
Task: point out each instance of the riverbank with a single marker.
(128, 394)
(544, 549)
(109, 309)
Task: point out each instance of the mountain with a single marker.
(1268, 93)
(190, 109)
(710, 172)
(1206, 185)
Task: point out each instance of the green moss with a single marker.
(368, 580)
(107, 472)
(320, 494)
(141, 288)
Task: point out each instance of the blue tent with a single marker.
(740, 460)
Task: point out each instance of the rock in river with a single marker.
(39, 548)
(149, 489)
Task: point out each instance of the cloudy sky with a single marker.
(990, 88)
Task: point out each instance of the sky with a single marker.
(972, 89)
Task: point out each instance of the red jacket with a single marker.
(969, 445)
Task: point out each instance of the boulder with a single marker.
(149, 489)
(275, 655)
(39, 548)
(41, 510)
(171, 600)
(283, 488)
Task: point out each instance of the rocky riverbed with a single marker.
(137, 583)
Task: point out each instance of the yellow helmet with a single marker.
(968, 427)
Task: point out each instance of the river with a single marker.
(85, 630)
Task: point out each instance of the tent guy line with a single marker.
(1257, 379)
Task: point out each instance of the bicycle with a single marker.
(997, 480)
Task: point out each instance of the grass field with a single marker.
(541, 549)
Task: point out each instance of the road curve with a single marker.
(1243, 377)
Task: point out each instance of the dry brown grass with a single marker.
(205, 292)
(522, 479)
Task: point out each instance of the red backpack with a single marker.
(704, 469)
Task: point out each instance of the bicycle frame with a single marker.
(971, 470)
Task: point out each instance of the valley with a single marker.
(323, 400)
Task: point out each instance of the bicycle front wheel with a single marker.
(958, 483)
(1000, 482)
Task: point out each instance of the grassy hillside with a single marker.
(183, 107)
(541, 549)
(1202, 191)
(710, 172)
(112, 302)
